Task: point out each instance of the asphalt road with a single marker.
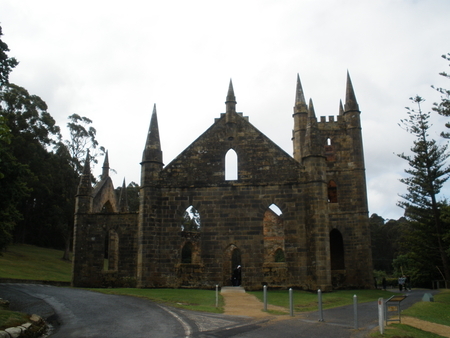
(83, 314)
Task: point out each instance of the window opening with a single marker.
(191, 220)
(275, 209)
(332, 192)
(186, 253)
(337, 250)
(328, 141)
(231, 165)
(279, 256)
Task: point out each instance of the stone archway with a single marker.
(231, 259)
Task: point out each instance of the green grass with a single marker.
(31, 262)
(435, 312)
(403, 331)
(12, 318)
(307, 301)
(190, 299)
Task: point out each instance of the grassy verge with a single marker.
(31, 262)
(307, 301)
(11, 318)
(435, 312)
(190, 299)
(404, 331)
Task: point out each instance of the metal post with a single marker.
(381, 315)
(319, 294)
(217, 296)
(265, 297)
(355, 310)
(291, 302)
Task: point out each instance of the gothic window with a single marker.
(329, 151)
(279, 256)
(231, 165)
(337, 250)
(107, 207)
(191, 220)
(273, 232)
(186, 253)
(332, 192)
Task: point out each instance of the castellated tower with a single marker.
(289, 221)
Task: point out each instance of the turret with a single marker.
(230, 104)
(105, 172)
(123, 198)
(152, 156)
(83, 198)
(300, 121)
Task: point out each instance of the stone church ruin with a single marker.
(290, 221)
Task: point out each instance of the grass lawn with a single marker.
(404, 331)
(435, 312)
(307, 301)
(31, 262)
(190, 299)
(11, 318)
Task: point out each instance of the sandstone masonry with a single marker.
(195, 224)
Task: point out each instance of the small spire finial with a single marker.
(350, 98)
(152, 151)
(105, 168)
(300, 102)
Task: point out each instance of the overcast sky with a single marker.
(112, 60)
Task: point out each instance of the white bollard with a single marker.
(381, 315)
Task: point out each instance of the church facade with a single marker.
(290, 221)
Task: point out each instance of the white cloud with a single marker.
(112, 61)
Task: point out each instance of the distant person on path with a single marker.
(384, 283)
(401, 283)
(237, 276)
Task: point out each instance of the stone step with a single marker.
(229, 289)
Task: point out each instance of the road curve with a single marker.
(81, 313)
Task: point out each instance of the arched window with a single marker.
(279, 256)
(329, 151)
(332, 192)
(337, 250)
(186, 253)
(231, 165)
(191, 220)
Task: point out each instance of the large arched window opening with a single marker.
(274, 238)
(231, 165)
(337, 250)
(191, 220)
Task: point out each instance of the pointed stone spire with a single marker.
(152, 151)
(311, 112)
(87, 164)
(123, 198)
(84, 189)
(230, 104)
(341, 108)
(105, 172)
(300, 102)
(350, 99)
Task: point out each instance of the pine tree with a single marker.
(427, 174)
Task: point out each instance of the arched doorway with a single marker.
(231, 259)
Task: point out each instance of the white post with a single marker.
(291, 302)
(319, 294)
(217, 296)
(381, 315)
(355, 310)
(265, 297)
